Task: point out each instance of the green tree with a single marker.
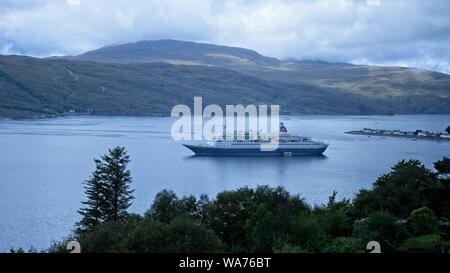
(447, 129)
(443, 167)
(188, 236)
(261, 229)
(92, 212)
(108, 191)
(167, 206)
(270, 212)
(305, 232)
(203, 209)
(335, 218)
(117, 180)
(315, 230)
(334, 222)
(439, 192)
(148, 237)
(398, 192)
(423, 221)
(229, 213)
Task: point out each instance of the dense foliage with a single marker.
(399, 192)
(404, 211)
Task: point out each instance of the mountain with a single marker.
(150, 77)
(399, 83)
(177, 52)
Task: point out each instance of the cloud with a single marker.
(75, 3)
(410, 33)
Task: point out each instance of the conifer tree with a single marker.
(107, 190)
(94, 190)
(117, 178)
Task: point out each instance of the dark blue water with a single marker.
(43, 164)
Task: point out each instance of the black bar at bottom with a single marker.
(225, 262)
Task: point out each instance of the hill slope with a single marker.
(397, 83)
(177, 52)
(35, 87)
(149, 78)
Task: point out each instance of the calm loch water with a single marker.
(43, 164)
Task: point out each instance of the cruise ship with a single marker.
(286, 144)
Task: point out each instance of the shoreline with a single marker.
(415, 137)
(43, 117)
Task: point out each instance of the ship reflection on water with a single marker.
(283, 168)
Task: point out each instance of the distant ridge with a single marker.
(150, 77)
(164, 50)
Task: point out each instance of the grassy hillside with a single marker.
(149, 78)
(371, 81)
(34, 87)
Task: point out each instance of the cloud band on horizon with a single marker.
(406, 33)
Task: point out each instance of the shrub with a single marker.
(422, 243)
(187, 236)
(104, 238)
(383, 228)
(334, 222)
(306, 232)
(423, 221)
(282, 246)
(344, 245)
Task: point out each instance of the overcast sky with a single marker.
(407, 33)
